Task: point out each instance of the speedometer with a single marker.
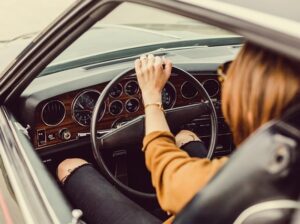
(83, 106)
(168, 96)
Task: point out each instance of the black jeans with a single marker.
(100, 202)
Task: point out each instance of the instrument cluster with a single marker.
(122, 99)
(68, 116)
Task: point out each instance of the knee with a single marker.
(67, 166)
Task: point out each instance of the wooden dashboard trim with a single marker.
(52, 132)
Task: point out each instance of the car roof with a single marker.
(278, 16)
(283, 9)
(273, 24)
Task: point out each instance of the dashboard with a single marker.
(67, 117)
(57, 108)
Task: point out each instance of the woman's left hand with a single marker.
(152, 74)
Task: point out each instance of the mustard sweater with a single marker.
(176, 176)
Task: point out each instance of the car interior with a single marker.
(57, 108)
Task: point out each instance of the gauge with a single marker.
(116, 91)
(83, 106)
(188, 91)
(132, 105)
(168, 96)
(53, 113)
(131, 87)
(115, 107)
(212, 87)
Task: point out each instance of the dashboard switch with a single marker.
(65, 134)
(51, 137)
(41, 136)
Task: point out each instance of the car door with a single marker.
(34, 191)
(28, 194)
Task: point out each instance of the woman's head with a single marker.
(259, 86)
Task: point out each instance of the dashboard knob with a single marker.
(65, 134)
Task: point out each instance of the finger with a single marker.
(150, 64)
(143, 59)
(138, 70)
(158, 63)
(151, 59)
(138, 66)
(168, 67)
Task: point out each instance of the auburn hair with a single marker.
(259, 86)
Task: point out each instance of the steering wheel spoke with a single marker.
(132, 132)
(128, 134)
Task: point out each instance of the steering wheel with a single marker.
(133, 131)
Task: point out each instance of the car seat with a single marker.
(259, 184)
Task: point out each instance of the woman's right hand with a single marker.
(152, 75)
(184, 137)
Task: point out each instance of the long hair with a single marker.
(259, 86)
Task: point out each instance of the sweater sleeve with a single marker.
(175, 175)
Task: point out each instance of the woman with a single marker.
(260, 86)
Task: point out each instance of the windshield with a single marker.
(132, 26)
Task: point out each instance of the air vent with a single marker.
(53, 113)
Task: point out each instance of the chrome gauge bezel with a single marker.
(188, 98)
(76, 98)
(215, 82)
(126, 84)
(42, 112)
(112, 103)
(138, 107)
(122, 91)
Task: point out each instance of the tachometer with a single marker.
(83, 106)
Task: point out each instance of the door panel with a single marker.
(35, 191)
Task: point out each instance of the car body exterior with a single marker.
(28, 192)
